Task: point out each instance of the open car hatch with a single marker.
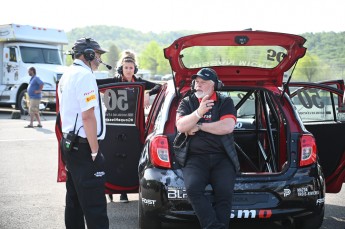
(239, 57)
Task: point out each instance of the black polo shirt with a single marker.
(203, 142)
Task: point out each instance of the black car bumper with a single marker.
(296, 193)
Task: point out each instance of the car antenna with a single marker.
(287, 82)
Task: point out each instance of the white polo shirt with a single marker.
(77, 93)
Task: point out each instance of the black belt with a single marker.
(79, 139)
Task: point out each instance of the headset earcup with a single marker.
(119, 70)
(89, 54)
(218, 85)
(135, 69)
(192, 85)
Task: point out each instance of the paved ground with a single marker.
(31, 198)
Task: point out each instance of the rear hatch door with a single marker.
(239, 57)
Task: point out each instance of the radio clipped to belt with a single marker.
(70, 139)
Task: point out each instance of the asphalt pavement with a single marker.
(31, 197)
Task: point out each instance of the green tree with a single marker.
(152, 58)
(113, 58)
(307, 68)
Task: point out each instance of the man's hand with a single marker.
(205, 105)
(193, 130)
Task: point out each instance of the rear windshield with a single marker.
(252, 56)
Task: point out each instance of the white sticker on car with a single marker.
(287, 192)
(246, 214)
(148, 202)
(320, 201)
(176, 193)
(305, 192)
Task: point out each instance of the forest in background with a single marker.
(325, 58)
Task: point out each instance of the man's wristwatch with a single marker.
(94, 154)
(199, 125)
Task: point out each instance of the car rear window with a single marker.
(317, 105)
(252, 56)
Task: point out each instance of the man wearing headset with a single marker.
(209, 120)
(83, 125)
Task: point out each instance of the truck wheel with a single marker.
(22, 103)
(144, 221)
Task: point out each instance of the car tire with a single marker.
(314, 222)
(144, 221)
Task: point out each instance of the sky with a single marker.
(288, 16)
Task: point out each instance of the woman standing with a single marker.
(127, 68)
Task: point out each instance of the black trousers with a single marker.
(85, 186)
(217, 170)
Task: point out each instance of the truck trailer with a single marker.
(25, 46)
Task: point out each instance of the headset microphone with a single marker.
(107, 65)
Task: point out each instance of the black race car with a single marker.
(289, 136)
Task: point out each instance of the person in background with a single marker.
(127, 68)
(35, 95)
(212, 158)
(83, 126)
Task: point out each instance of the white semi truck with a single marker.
(22, 47)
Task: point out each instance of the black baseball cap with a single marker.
(87, 43)
(206, 74)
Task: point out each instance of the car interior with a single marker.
(259, 131)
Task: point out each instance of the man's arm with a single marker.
(90, 127)
(39, 90)
(41, 84)
(221, 127)
(187, 123)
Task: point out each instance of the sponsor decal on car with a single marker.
(176, 193)
(320, 201)
(238, 125)
(287, 192)
(305, 192)
(246, 214)
(148, 202)
(121, 106)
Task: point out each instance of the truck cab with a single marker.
(23, 47)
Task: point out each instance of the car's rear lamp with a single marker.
(159, 151)
(307, 150)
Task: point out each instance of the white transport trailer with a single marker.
(22, 47)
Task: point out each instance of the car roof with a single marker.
(239, 57)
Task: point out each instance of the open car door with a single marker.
(322, 111)
(124, 137)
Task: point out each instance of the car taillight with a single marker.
(159, 151)
(307, 150)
